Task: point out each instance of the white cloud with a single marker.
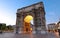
(6, 16)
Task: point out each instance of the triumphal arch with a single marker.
(37, 12)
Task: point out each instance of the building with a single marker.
(37, 12)
(58, 25)
(52, 27)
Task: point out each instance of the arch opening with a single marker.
(28, 22)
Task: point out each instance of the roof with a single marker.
(30, 5)
(58, 22)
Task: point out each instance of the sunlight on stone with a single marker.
(28, 18)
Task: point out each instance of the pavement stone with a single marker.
(13, 35)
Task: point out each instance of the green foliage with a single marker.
(10, 27)
(2, 26)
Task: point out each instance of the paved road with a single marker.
(13, 35)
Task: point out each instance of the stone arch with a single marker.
(38, 13)
(27, 24)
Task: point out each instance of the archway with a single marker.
(27, 24)
(35, 10)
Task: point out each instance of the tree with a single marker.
(10, 27)
(0, 26)
(3, 26)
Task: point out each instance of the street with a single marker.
(13, 35)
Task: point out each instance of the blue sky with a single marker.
(8, 9)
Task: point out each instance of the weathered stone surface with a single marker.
(35, 10)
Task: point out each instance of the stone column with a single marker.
(43, 20)
(35, 20)
(18, 22)
(39, 20)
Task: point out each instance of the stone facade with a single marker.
(35, 10)
(52, 26)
